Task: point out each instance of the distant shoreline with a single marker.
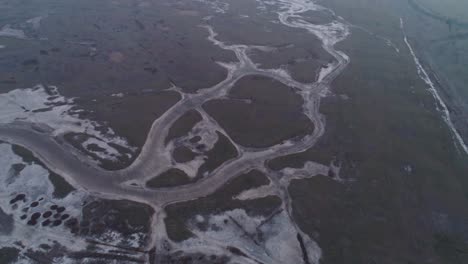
(458, 110)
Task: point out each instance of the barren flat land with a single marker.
(233, 131)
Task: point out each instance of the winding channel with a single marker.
(154, 158)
